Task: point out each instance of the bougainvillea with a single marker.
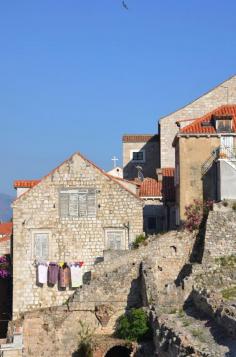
(4, 268)
(195, 213)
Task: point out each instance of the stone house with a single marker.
(224, 93)
(205, 157)
(75, 213)
(140, 151)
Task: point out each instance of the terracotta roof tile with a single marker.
(140, 138)
(197, 128)
(25, 183)
(151, 187)
(6, 228)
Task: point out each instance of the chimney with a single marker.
(159, 174)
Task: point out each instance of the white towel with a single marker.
(42, 273)
(76, 276)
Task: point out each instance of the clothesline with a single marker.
(65, 274)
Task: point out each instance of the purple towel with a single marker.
(53, 271)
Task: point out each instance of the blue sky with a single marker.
(77, 75)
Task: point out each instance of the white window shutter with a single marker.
(91, 203)
(64, 205)
(41, 246)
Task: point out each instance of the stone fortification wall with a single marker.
(117, 286)
(220, 234)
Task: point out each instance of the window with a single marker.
(115, 239)
(79, 202)
(137, 156)
(41, 246)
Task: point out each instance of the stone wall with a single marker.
(117, 286)
(192, 153)
(224, 93)
(220, 234)
(70, 239)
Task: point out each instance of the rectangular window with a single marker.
(41, 246)
(115, 239)
(137, 156)
(79, 202)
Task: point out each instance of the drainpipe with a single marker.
(127, 226)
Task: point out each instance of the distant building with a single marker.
(5, 238)
(205, 152)
(116, 172)
(140, 151)
(224, 93)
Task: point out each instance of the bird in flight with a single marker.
(125, 6)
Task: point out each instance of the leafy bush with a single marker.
(225, 203)
(195, 213)
(234, 206)
(139, 240)
(134, 326)
(85, 348)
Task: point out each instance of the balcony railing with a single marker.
(221, 152)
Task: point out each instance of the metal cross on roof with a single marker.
(114, 159)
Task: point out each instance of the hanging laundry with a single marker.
(53, 273)
(64, 276)
(42, 273)
(76, 275)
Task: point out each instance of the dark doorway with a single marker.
(118, 351)
(5, 305)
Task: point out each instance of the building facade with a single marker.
(225, 93)
(206, 159)
(141, 156)
(73, 214)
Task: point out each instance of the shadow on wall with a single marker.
(148, 157)
(118, 351)
(209, 182)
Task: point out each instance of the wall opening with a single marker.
(118, 351)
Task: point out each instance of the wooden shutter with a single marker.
(41, 246)
(82, 204)
(114, 239)
(91, 203)
(64, 204)
(73, 205)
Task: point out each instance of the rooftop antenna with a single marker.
(140, 173)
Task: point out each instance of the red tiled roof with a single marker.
(139, 138)
(197, 128)
(6, 228)
(25, 183)
(150, 188)
(153, 188)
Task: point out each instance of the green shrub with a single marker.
(139, 240)
(229, 293)
(133, 326)
(225, 203)
(234, 206)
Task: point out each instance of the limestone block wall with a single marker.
(220, 235)
(225, 93)
(70, 239)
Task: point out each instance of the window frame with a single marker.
(123, 240)
(34, 232)
(137, 151)
(77, 190)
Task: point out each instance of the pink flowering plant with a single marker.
(4, 268)
(196, 213)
